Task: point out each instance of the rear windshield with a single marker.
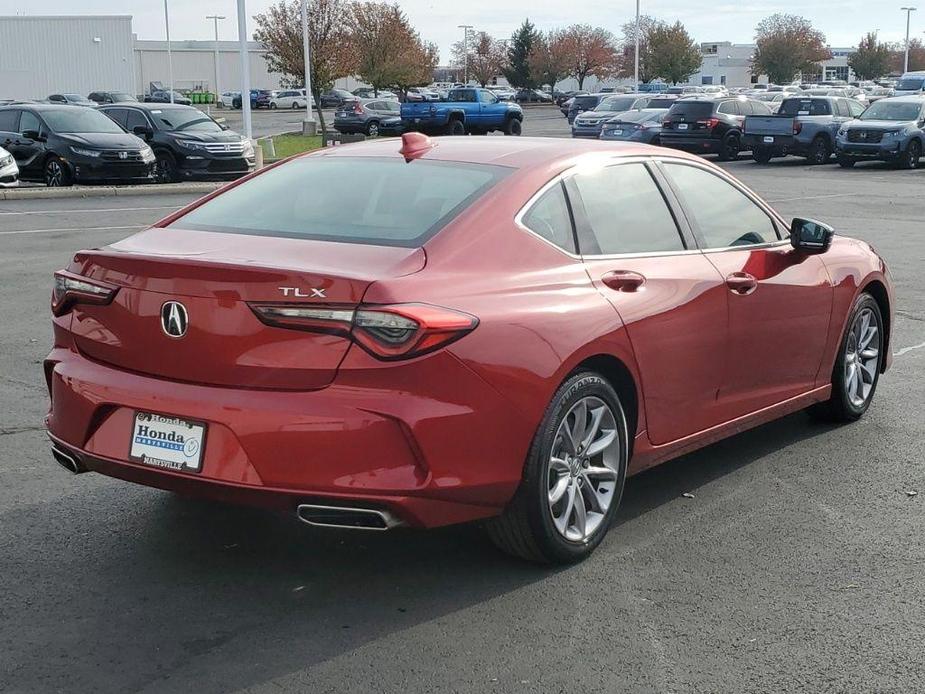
(691, 109)
(805, 107)
(641, 116)
(661, 102)
(587, 102)
(910, 84)
(382, 202)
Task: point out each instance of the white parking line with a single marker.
(904, 350)
(92, 209)
(68, 230)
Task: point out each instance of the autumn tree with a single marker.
(548, 60)
(517, 70)
(872, 58)
(415, 64)
(589, 51)
(646, 25)
(332, 55)
(787, 45)
(485, 56)
(897, 52)
(385, 44)
(673, 54)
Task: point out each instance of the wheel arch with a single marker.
(878, 290)
(456, 115)
(621, 378)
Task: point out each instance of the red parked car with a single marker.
(372, 336)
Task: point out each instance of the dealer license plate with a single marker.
(682, 126)
(616, 132)
(769, 140)
(167, 442)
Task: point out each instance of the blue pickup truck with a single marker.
(468, 110)
(803, 125)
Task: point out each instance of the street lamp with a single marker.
(636, 55)
(215, 18)
(465, 28)
(170, 57)
(308, 125)
(245, 70)
(908, 11)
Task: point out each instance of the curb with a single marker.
(39, 193)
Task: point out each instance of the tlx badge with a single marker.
(297, 292)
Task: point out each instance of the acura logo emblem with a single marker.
(174, 319)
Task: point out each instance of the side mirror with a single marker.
(810, 236)
(34, 135)
(143, 131)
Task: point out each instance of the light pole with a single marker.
(245, 71)
(465, 28)
(308, 125)
(215, 18)
(636, 52)
(170, 57)
(908, 11)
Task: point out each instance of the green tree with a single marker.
(518, 71)
(872, 59)
(673, 55)
(786, 46)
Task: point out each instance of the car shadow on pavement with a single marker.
(138, 589)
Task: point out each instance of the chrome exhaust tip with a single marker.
(346, 517)
(67, 461)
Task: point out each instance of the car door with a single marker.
(135, 118)
(641, 256)
(779, 299)
(9, 128)
(29, 152)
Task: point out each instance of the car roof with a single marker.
(521, 153)
(39, 106)
(146, 105)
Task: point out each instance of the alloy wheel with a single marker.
(862, 357)
(54, 174)
(583, 469)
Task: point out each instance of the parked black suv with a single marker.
(582, 103)
(62, 145)
(709, 125)
(162, 96)
(186, 142)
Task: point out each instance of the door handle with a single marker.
(741, 283)
(623, 280)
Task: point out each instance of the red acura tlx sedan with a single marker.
(424, 332)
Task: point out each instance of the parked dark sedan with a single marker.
(62, 145)
(110, 97)
(589, 123)
(163, 97)
(644, 125)
(336, 97)
(186, 142)
(70, 100)
(709, 125)
(365, 115)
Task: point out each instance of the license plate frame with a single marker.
(153, 432)
(682, 126)
(768, 140)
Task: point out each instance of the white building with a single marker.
(730, 64)
(46, 55)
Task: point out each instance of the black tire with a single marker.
(762, 155)
(372, 128)
(272, 106)
(165, 167)
(56, 173)
(845, 162)
(236, 103)
(840, 407)
(513, 126)
(526, 528)
(910, 158)
(820, 151)
(730, 147)
(456, 127)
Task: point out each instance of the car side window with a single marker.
(728, 107)
(117, 115)
(626, 211)
(722, 213)
(488, 98)
(9, 121)
(29, 121)
(135, 118)
(855, 108)
(841, 108)
(549, 217)
(394, 106)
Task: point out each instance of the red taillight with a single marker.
(358, 108)
(398, 331)
(709, 123)
(73, 289)
(797, 127)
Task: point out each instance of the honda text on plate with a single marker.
(499, 330)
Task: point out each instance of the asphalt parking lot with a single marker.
(797, 566)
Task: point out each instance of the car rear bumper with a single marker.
(9, 176)
(778, 142)
(413, 453)
(703, 144)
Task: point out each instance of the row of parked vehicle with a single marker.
(122, 142)
(806, 123)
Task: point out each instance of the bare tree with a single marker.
(548, 60)
(487, 56)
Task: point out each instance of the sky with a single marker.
(842, 21)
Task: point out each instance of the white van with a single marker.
(910, 83)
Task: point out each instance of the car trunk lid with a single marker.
(214, 276)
